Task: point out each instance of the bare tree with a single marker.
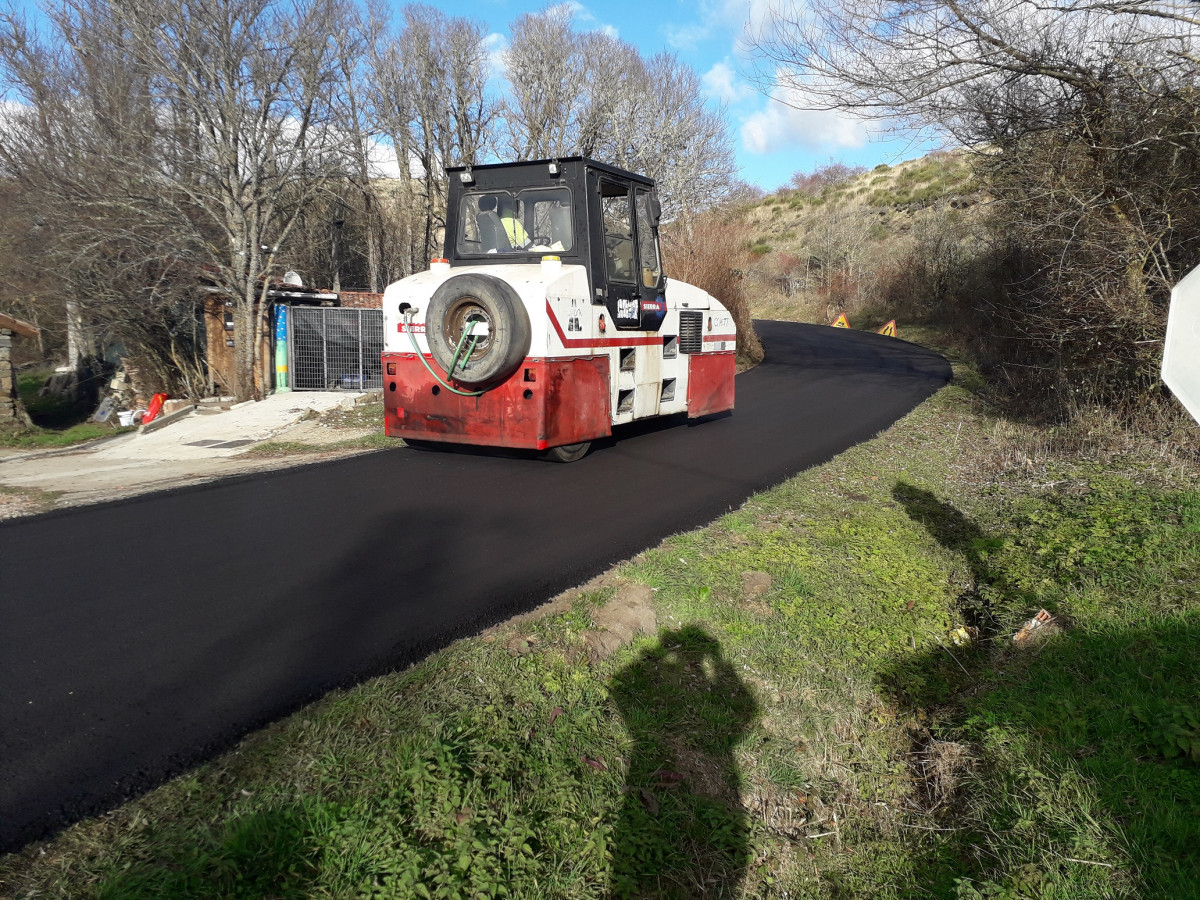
(690, 149)
(547, 79)
(593, 94)
(978, 70)
(359, 119)
(429, 79)
(76, 140)
(191, 135)
(250, 85)
(611, 122)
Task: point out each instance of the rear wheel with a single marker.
(567, 452)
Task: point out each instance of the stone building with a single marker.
(12, 414)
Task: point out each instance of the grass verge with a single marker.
(853, 718)
(46, 438)
(293, 448)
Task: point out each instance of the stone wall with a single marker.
(12, 413)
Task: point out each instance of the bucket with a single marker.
(125, 418)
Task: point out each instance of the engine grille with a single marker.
(691, 331)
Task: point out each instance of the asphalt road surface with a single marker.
(138, 638)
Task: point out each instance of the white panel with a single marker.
(649, 381)
(1181, 350)
(680, 294)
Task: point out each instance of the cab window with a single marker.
(647, 242)
(618, 232)
(537, 220)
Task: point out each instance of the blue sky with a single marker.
(772, 140)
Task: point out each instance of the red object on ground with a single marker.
(710, 383)
(545, 403)
(155, 407)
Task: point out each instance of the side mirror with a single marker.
(655, 211)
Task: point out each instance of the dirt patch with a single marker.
(629, 613)
(705, 775)
(318, 432)
(755, 584)
(556, 605)
(21, 503)
(938, 768)
(781, 810)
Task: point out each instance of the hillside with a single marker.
(862, 242)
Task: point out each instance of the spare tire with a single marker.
(459, 301)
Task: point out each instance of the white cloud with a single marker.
(723, 84)
(718, 17)
(682, 37)
(585, 17)
(496, 44)
(780, 125)
(382, 160)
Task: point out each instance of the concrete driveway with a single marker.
(197, 447)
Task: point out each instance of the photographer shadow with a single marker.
(682, 830)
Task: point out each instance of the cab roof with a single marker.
(542, 165)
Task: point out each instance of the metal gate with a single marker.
(335, 349)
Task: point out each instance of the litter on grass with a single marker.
(1033, 627)
(962, 636)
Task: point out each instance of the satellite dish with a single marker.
(293, 279)
(1181, 349)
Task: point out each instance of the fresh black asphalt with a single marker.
(140, 637)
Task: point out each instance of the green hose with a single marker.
(462, 340)
(458, 350)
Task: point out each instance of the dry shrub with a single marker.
(712, 254)
(829, 175)
(1100, 222)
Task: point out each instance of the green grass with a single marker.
(825, 739)
(43, 438)
(57, 421)
(1090, 743)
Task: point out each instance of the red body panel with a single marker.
(567, 403)
(710, 383)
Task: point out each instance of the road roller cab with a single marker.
(549, 318)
